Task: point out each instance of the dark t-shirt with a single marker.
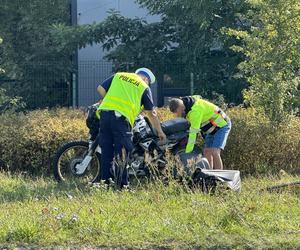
(147, 100)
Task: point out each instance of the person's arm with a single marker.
(101, 91)
(152, 115)
(147, 102)
(194, 130)
(104, 87)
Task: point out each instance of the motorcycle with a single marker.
(81, 160)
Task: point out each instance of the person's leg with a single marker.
(217, 161)
(106, 144)
(122, 140)
(207, 153)
(218, 144)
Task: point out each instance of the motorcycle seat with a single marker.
(175, 126)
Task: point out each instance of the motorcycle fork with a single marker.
(93, 147)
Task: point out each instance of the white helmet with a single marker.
(148, 73)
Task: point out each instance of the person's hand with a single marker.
(162, 136)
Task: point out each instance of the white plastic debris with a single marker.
(231, 177)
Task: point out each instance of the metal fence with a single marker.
(48, 85)
(90, 75)
(175, 82)
(40, 85)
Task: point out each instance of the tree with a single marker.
(198, 46)
(33, 68)
(186, 40)
(272, 50)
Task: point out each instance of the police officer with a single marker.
(123, 96)
(206, 117)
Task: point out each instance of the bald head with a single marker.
(177, 107)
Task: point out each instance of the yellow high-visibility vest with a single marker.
(204, 116)
(125, 95)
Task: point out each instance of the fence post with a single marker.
(192, 83)
(74, 90)
(160, 90)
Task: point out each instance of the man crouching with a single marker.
(206, 117)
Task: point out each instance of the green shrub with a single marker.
(28, 142)
(255, 146)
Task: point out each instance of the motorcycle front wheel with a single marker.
(68, 157)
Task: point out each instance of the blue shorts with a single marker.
(219, 139)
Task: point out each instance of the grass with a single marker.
(39, 212)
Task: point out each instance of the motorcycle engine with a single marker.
(137, 166)
(140, 129)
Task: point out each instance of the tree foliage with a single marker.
(28, 54)
(272, 50)
(189, 37)
(10, 104)
(186, 40)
